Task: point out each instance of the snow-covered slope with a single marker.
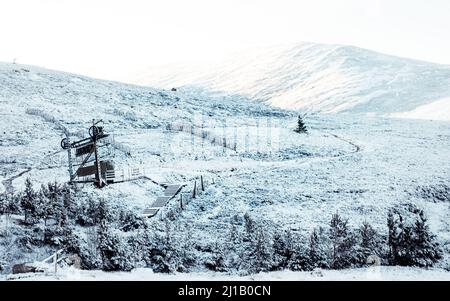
(316, 77)
(359, 167)
(437, 110)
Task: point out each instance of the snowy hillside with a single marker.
(315, 77)
(268, 190)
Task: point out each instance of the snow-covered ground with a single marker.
(353, 164)
(437, 110)
(316, 77)
(360, 274)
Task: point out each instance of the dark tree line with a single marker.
(111, 237)
(254, 249)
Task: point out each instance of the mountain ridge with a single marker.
(316, 77)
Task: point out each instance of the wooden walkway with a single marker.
(169, 193)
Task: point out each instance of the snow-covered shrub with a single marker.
(114, 250)
(130, 220)
(217, 260)
(434, 193)
(162, 256)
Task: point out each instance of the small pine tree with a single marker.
(301, 127)
(3, 203)
(368, 237)
(342, 242)
(162, 254)
(217, 262)
(114, 251)
(185, 248)
(369, 243)
(28, 200)
(9, 204)
(249, 225)
(68, 201)
(318, 249)
(102, 212)
(300, 259)
(426, 249)
(411, 244)
(261, 252)
(159, 254)
(283, 249)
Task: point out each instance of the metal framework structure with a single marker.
(84, 149)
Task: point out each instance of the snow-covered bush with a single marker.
(115, 252)
(217, 260)
(434, 193)
(9, 204)
(172, 250)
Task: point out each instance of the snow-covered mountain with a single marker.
(316, 77)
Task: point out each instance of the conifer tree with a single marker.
(28, 200)
(114, 251)
(217, 262)
(249, 225)
(283, 248)
(3, 203)
(318, 249)
(411, 244)
(342, 242)
(369, 243)
(301, 127)
(261, 252)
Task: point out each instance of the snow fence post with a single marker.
(201, 182)
(55, 261)
(194, 190)
(181, 201)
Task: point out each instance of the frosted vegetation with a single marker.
(112, 237)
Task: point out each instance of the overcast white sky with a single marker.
(108, 38)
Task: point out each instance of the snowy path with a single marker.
(249, 166)
(8, 182)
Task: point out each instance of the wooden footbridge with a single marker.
(170, 192)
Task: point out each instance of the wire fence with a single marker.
(199, 131)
